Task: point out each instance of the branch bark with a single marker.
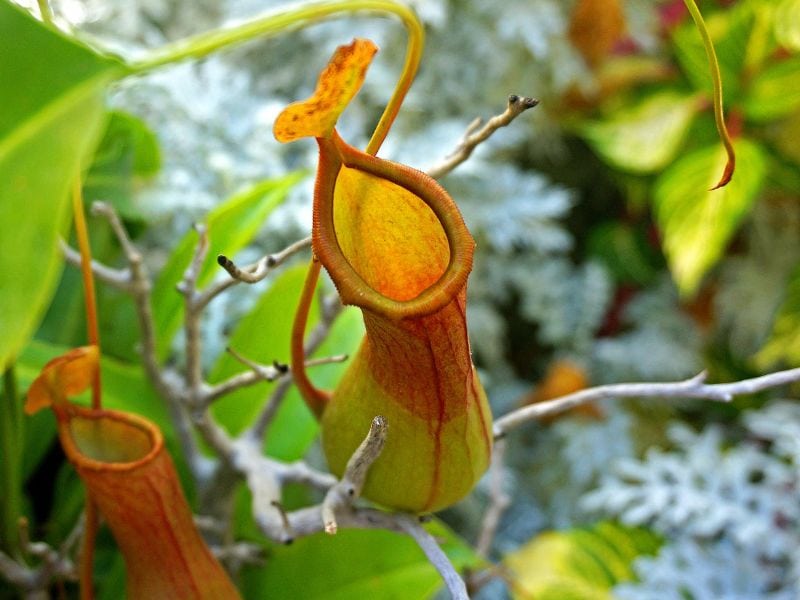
(694, 387)
(478, 132)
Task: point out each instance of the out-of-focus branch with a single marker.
(436, 556)
(695, 387)
(498, 500)
(258, 373)
(478, 132)
(135, 281)
(119, 279)
(34, 582)
(191, 320)
(139, 286)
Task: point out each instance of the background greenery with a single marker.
(602, 258)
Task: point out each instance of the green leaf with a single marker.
(775, 92)
(783, 345)
(231, 226)
(356, 564)
(696, 223)
(127, 154)
(109, 569)
(785, 140)
(625, 251)
(646, 137)
(68, 498)
(579, 564)
(787, 24)
(264, 335)
(52, 115)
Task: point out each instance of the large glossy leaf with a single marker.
(696, 222)
(579, 564)
(231, 226)
(356, 564)
(774, 92)
(263, 335)
(52, 114)
(783, 345)
(646, 137)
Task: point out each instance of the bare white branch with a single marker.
(264, 478)
(436, 556)
(695, 387)
(259, 373)
(191, 319)
(34, 581)
(477, 134)
(137, 284)
(498, 500)
(252, 273)
(349, 488)
(119, 279)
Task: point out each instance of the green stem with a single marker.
(297, 17)
(11, 437)
(44, 10)
(717, 83)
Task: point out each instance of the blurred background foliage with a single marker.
(602, 257)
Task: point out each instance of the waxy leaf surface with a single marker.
(697, 222)
(52, 114)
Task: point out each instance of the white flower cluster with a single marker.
(729, 513)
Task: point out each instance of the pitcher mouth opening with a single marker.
(109, 440)
(353, 288)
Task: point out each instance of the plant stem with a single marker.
(297, 17)
(315, 399)
(11, 437)
(44, 10)
(716, 80)
(92, 329)
(93, 334)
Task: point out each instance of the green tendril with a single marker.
(716, 79)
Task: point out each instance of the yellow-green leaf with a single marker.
(578, 564)
(787, 24)
(696, 222)
(646, 137)
(774, 92)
